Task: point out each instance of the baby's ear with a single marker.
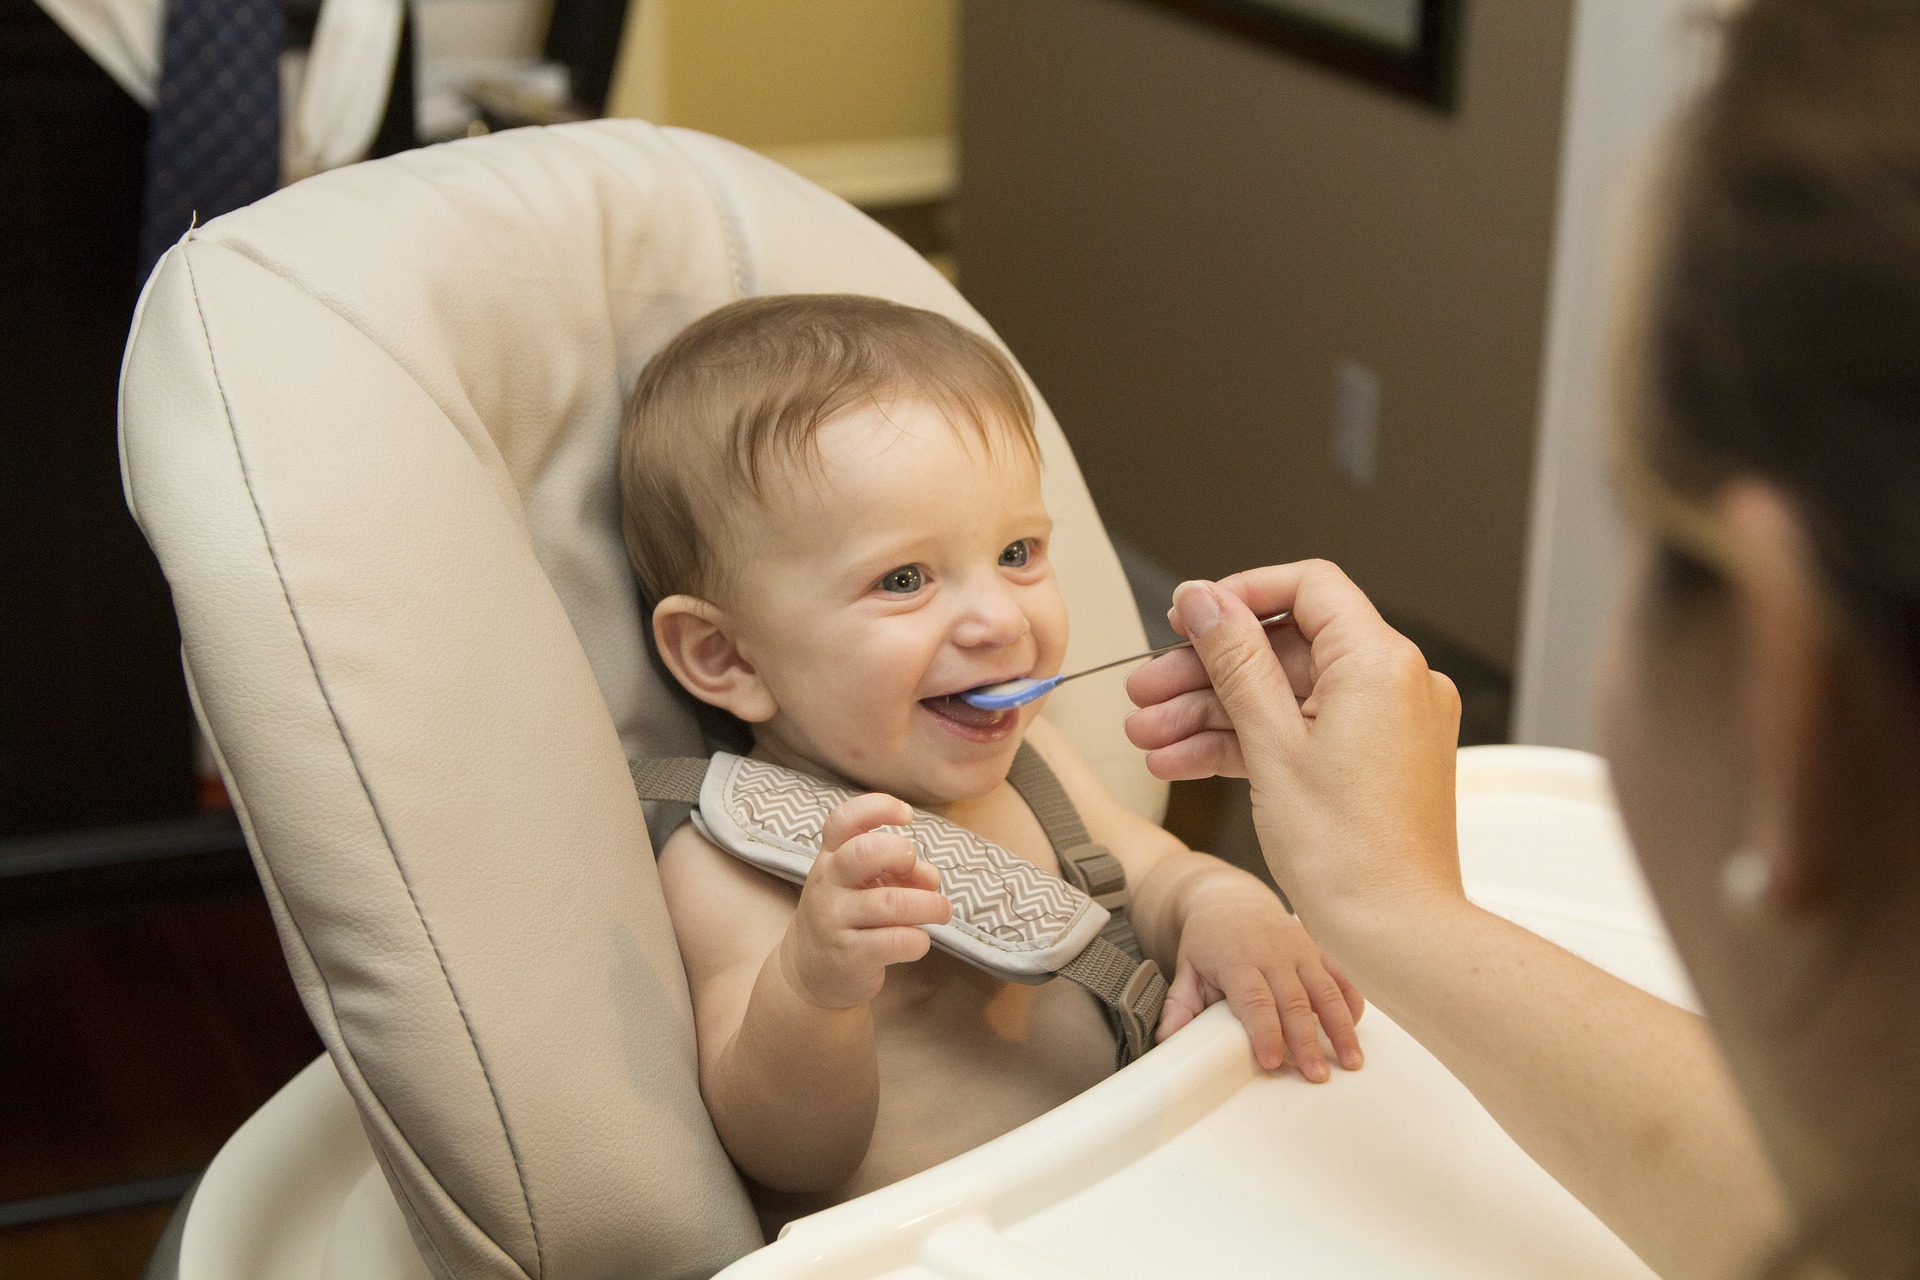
(696, 642)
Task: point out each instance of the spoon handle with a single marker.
(1273, 621)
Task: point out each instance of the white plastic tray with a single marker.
(1192, 1162)
(1195, 1162)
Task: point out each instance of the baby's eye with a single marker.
(1016, 554)
(904, 581)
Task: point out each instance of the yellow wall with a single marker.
(782, 73)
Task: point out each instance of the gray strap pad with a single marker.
(1009, 917)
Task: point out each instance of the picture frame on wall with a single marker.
(1408, 47)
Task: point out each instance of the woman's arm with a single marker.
(1348, 740)
(1622, 1097)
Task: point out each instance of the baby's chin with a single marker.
(936, 789)
(931, 770)
(927, 780)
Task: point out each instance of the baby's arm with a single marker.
(781, 984)
(1217, 932)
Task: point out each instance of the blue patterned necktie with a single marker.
(213, 142)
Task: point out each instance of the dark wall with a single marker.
(94, 722)
(1182, 234)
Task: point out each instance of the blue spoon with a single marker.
(1018, 693)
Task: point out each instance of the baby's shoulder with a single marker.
(698, 876)
(686, 842)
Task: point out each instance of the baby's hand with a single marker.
(1238, 941)
(860, 906)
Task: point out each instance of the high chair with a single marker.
(368, 426)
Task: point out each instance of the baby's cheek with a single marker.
(1048, 616)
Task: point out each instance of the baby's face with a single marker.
(911, 566)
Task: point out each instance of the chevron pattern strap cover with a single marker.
(1009, 917)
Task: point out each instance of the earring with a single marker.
(1746, 882)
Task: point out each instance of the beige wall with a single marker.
(1182, 234)
(781, 73)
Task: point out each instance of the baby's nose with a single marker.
(993, 619)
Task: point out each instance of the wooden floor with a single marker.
(98, 1245)
(146, 1013)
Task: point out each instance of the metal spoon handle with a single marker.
(1273, 621)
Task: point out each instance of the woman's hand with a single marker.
(1349, 741)
(1346, 735)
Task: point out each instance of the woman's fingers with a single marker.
(1213, 754)
(1171, 675)
(1296, 658)
(1247, 676)
(1318, 593)
(1446, 695)
(1167, 677)
(1182, 724)
(1176, 719)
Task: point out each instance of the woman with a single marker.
(1762, 713)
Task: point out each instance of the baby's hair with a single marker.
(749, 386)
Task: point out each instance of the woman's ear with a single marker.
(1791, 681)
(697, 643)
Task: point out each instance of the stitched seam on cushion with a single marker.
(397, 1185)
(261, 867)
(731, 236)
(273, 555)
(271, 883)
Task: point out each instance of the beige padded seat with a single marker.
(368, 426)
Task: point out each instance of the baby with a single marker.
(836, 503)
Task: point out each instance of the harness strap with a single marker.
(1112, 967)
(676, 779)
(1034, 779)
(1086, 865)
(1130, 989)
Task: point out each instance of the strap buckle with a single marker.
(1138, 1010)
(1097, 873)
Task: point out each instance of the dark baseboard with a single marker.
(74, 1204)
(92, 847)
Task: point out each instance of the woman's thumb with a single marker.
(1241, 664)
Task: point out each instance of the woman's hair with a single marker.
(1784, 346)
(1785, 334)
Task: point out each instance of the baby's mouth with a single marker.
(957, 709)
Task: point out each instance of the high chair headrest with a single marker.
(368, 426)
